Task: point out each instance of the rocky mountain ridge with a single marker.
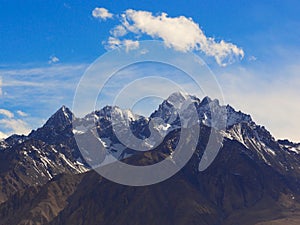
(253, 174)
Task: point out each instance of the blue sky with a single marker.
(47, 45)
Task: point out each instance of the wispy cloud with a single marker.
(46, 71)
(11, 125)
(101, 13)
(53, 59)
(40, 83)
(14, 126)
(21, 83)
(252, 58)
(36, 91)
(21, 113)
(180, 33)
(6, 113)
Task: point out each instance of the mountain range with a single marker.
(46, 179)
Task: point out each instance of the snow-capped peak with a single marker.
(177, 98)
(115, 112)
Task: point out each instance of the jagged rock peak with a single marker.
(62, 116)
(236, 117)
(206, 100)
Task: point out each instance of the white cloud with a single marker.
(130, 44)
(21, 113)
(6, 113)
(180, 33)
(14, 126)
(102, 13)
(118, 31)
(53, 59)
(114, 42)
(10, 126)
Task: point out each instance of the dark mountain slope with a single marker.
(174, 201)
(39, 204)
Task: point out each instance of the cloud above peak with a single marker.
(180, 33)
(10, 125)
(102, 13)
